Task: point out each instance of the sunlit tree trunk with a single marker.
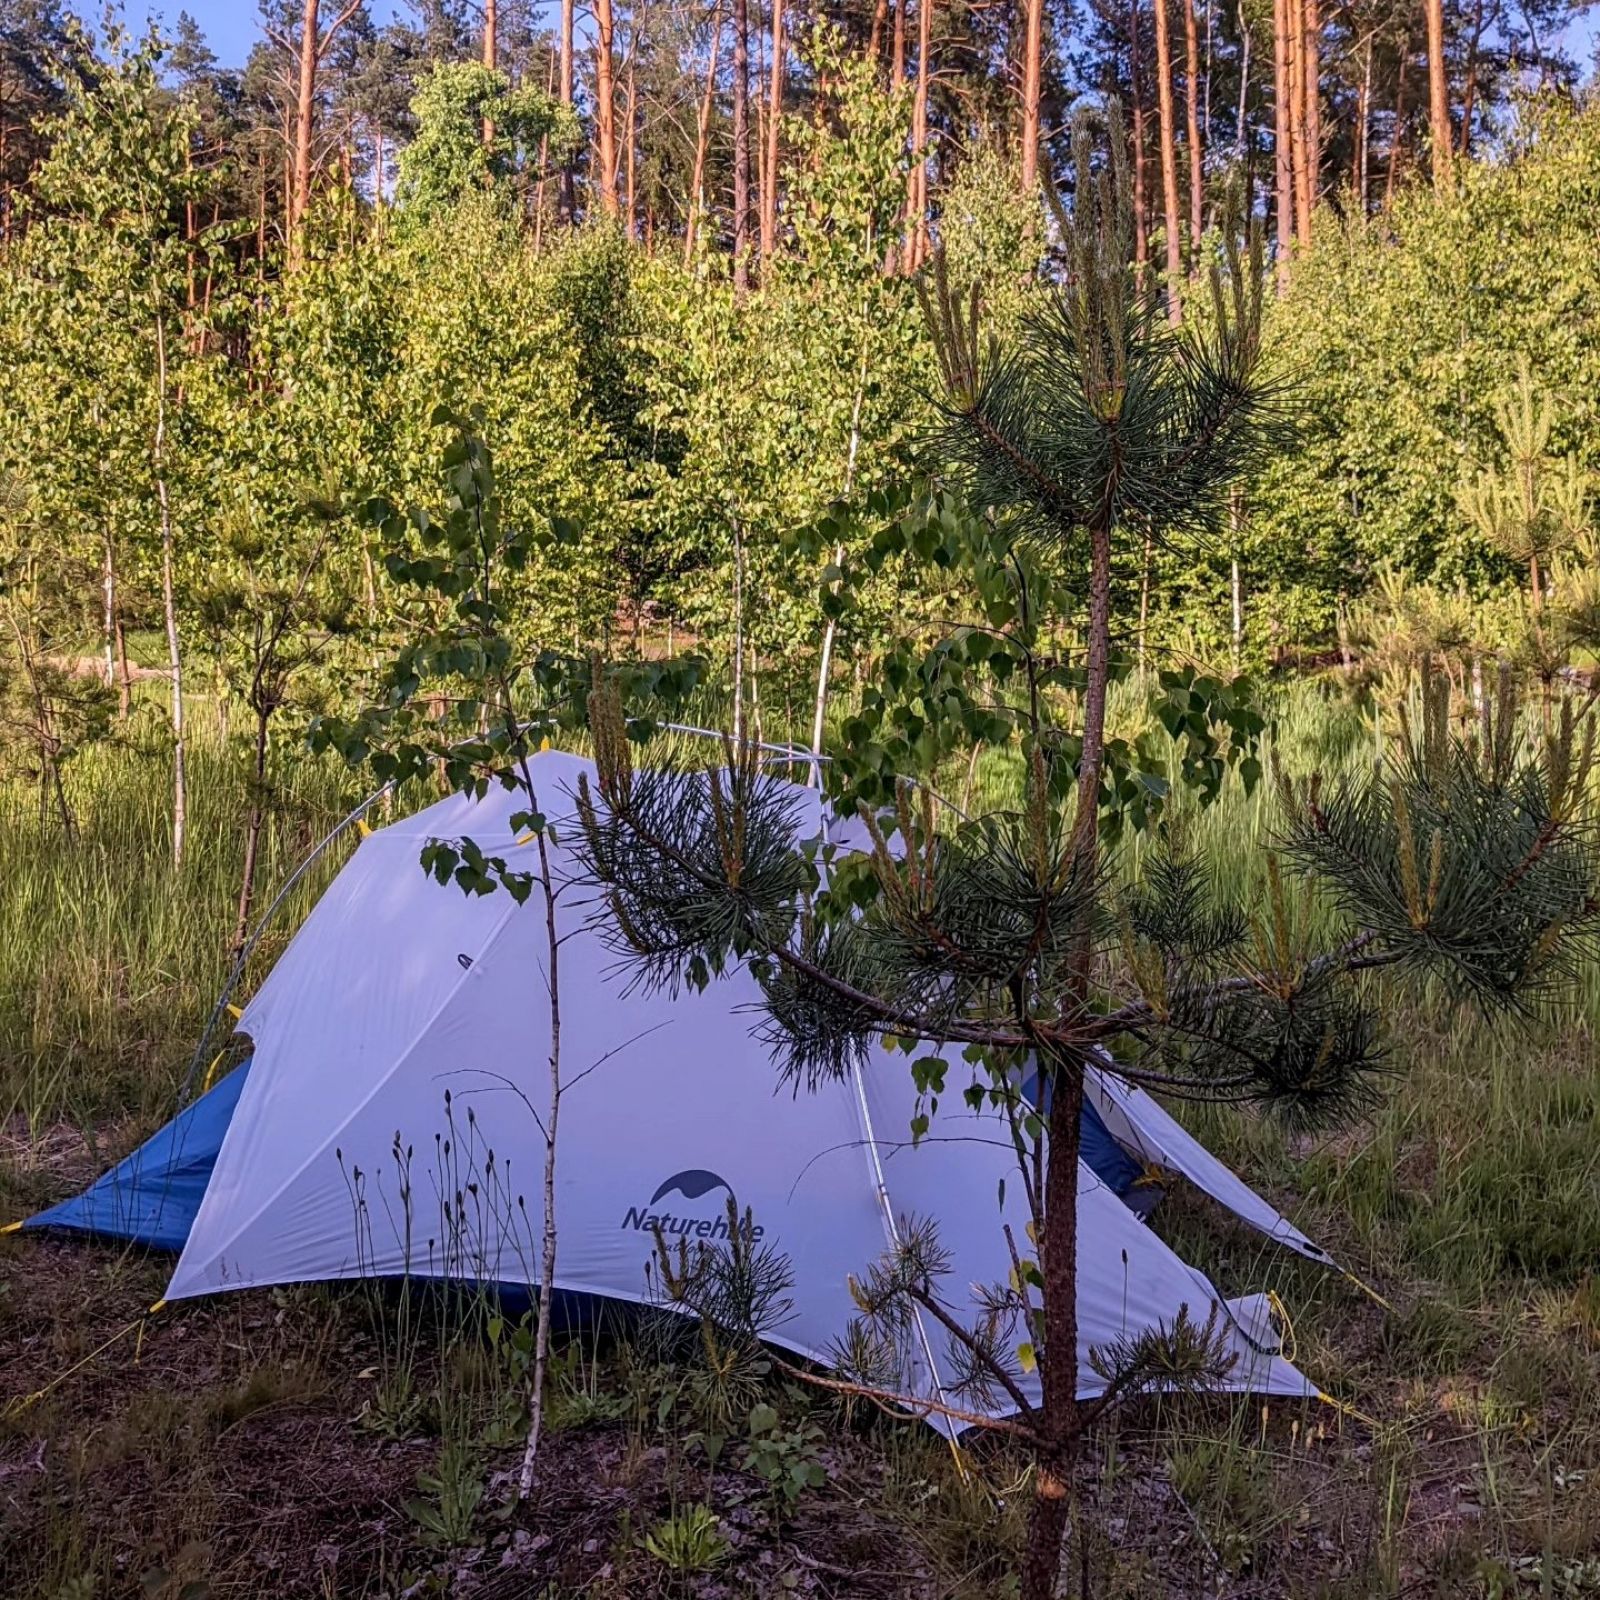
(310, 48)
(880, 18)
(1169, 158)
(769, 188)
(1197, 156)
(1282, 165)
(305, 106)
(1299, 133)
(491, 55)
(697, 184)
(1141, 197)
(631, 156)
(605, 108)
(897, 60)
(1470, 94)
(1438, 93)
(1032, 70)
(917, 243)
(568, 197)
(1363, 151)
(741, 145)
(1311, 85)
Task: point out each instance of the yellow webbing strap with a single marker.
(1350, 1411)
(1287, 1342)
(363, 827)
(1367, 1289)
(211, 1071)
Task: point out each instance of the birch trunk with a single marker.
(169, 603)
(825, 665)
(547, 1250)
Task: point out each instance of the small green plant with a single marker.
(786, 1459)
(398, 1409)
(454, 1491)
(688, 1541)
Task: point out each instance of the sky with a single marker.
(232, 26)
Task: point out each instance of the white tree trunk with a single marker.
(738, 633)
(169, 604)
(547, 1254)
(824, 666)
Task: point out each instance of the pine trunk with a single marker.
(491, 55)
(880, 16)
(1061, 1419)
(697, 184)
(569, 205)
(741, 145)
(631, 157)
(1438, 94)
(305, 106)
(918, 241)
(1312, 88)
(1469, 97)
(1032, 73)
(1297, 121)
(1169, 159)
(1364, 130)
(1197, 154)
(769, 186)
(1141, 198)
(605, 109)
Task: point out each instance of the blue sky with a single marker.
(232, 26)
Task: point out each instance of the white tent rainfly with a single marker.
(388, 1123)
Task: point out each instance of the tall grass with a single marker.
(110, 959)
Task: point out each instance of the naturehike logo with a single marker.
(695, 1183)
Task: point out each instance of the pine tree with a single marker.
(1001, 937)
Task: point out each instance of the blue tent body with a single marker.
(151, 1198)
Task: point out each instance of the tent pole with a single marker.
(893, 1231)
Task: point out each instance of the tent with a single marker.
(389, 1123)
